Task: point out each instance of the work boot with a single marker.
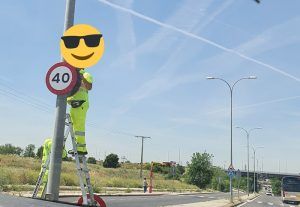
(71, 152)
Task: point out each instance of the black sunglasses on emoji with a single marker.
(90, 40)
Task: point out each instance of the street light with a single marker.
(254, 151)
(248, 136)
(231, 87)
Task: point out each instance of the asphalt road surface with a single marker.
(116, 201)
(14, 201)
(156, 201)
(266, 201)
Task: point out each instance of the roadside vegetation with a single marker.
(19, 170)
(276, 186)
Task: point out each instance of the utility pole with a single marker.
(179, 157)
(59, 128)
(142, 153)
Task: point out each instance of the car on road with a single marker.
(290, 189)
(269, 193)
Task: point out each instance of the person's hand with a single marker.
(87, 85)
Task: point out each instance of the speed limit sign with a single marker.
(61, 78)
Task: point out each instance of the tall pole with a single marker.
(59, 128)
(262, 165)
(142, 153)
(248, 160)
(179, 157)
(231, 87)
(248, 156)
(254, 173)
(285, 166)
(254, 152)
(279, 166)
(231, 164)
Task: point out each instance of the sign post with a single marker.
(59, 128)
(238, 174)
(231, 173)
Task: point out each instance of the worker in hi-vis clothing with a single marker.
(46, 155)
(79, 106)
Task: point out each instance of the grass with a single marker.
(18, 172)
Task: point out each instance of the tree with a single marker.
(200, 170)
(39, 153)
(91, 160)
(29, 151)
(111, 161)
(276, 186)
(10, 149)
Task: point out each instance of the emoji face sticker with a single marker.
(82, 46)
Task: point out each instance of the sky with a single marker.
(151, 80)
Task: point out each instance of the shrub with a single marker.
(91, 160)
(10, 149)
(111, 161)
(200, 170)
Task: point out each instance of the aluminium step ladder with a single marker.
(82, 171)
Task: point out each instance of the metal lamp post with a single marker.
(254, 152)
(231, 87)
(248, 137)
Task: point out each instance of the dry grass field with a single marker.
(18, 172)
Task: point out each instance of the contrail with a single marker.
(189, 34)
(258, 104)
(269, 102)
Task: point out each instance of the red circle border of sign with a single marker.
(73, 81)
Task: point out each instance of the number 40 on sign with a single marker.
(61, 78)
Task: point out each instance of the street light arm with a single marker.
(238, 81)
(255, 148)
(254, 129)
(230, 88)
(243, 130)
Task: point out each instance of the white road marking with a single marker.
(271, 204)
(242, 204)
(248, 201)
(259, 202)
(201, 196)
(211, 197)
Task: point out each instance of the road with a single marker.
(14, 201)
(266, 201)
(117, 201)
(155, 201)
